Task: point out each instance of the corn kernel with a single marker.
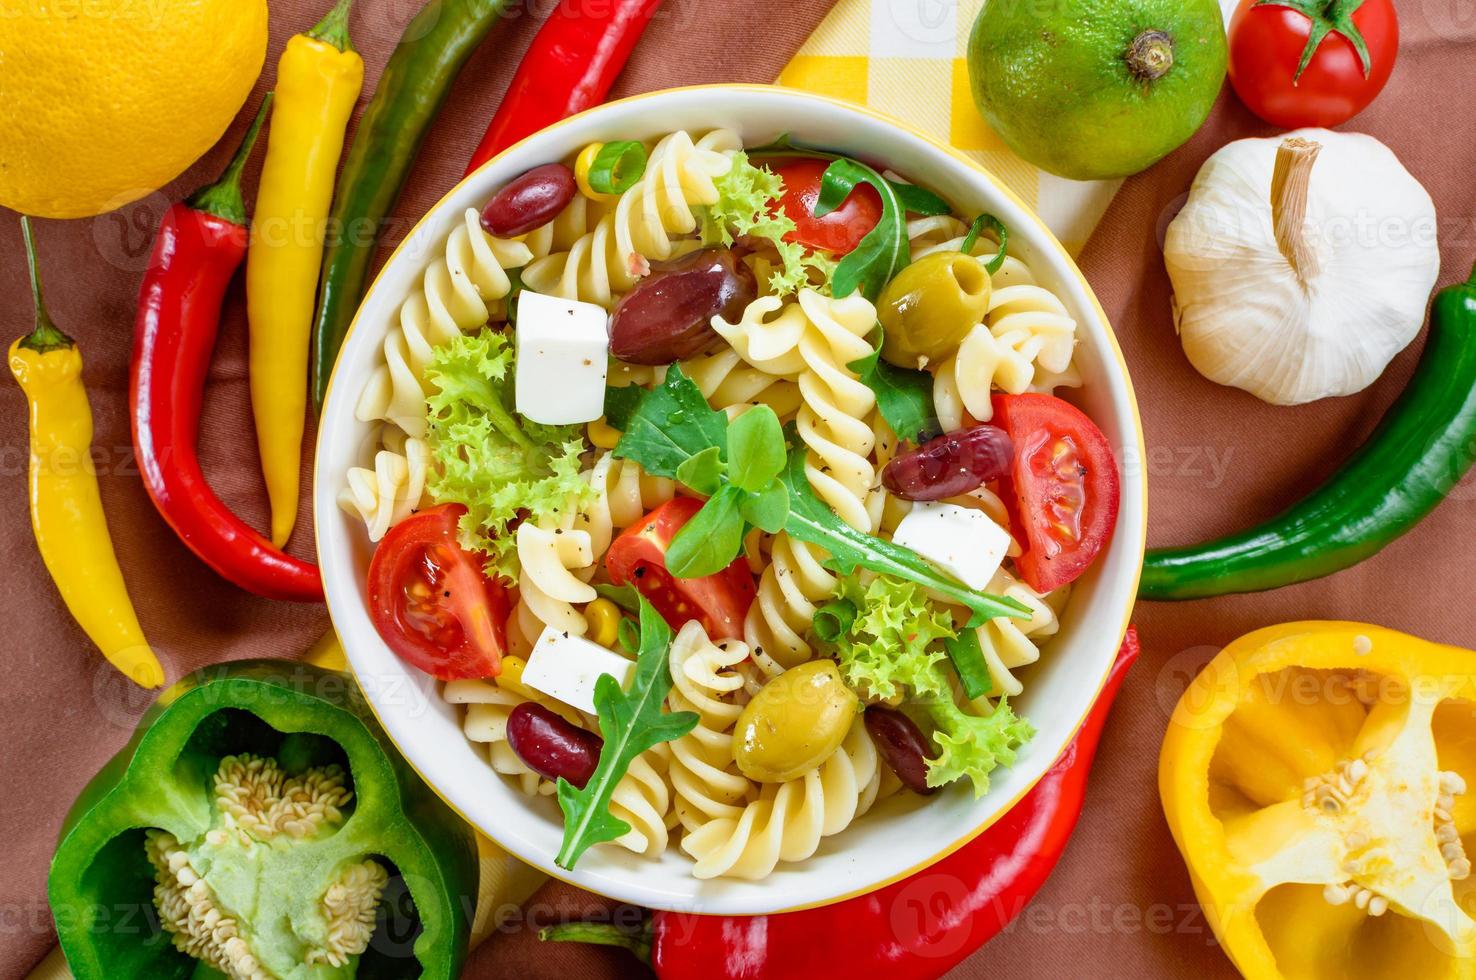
(602, 434)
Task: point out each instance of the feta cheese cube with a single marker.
(962, 541)
(566, 667)
(563, 355)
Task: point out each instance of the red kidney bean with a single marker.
(951, 464)
(530, 201)
(552, 747)
(668, 315)
(902, 745)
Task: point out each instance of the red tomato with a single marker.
(841, 230)
(1268, 42)
(719, 602)
(432, 604)
(1062, 490)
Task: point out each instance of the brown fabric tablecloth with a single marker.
(1120, 902)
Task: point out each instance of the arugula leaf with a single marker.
(1001, 232)
(755, 449)
(968, 661)
(903, 396)
(630, 723)
(919, 200)
(703, 472)
(767, 509)
(811, 521)
(710, 541)
(620, 405)
(884, 250)
(671, 424)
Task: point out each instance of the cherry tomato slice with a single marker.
(638, 557)
(1266, 46)
(431, 602)
(1062, 490)
(841, 230)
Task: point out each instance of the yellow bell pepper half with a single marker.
(1315, 776)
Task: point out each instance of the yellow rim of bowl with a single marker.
(1113, 346)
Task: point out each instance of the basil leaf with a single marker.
(630, 723)
(919, 200)
(703, 472)
(620, 405)
(1001, 232)
(767, 509)
(833, 620)
(710, 541)
(968, 660)
(812, 521)
(903, 396)
(671, 424)
(755, 449)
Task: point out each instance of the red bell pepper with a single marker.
(199, 247)
(569, 67)
(915, 929)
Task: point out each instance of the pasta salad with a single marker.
(725, 490)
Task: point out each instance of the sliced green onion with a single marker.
(833, 620)
(617, 167)
(629, 635)
(1001, 232)
(968, 660)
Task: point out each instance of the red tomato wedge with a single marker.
(638, 557)
(841, 230)
(431, 602)
(1268, 43)
(1062, 490)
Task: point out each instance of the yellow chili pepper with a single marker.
(66, 508)
(1316, 777)
(318, 82)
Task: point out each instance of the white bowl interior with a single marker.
(903, 834)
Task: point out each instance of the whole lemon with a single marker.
(104, 101)
(1093, 89)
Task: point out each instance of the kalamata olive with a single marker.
(668, 315)
(902, 745)
(530, 201)
(794, 723)
(951, 464)
(552, 747)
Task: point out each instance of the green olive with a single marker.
(794, 723)
(930, 306)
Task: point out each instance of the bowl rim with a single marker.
(1130, 473)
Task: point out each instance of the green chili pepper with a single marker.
(250, 790)
(433, 49)
(1421, 449)
(617, 167)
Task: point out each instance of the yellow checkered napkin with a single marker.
(906, 58)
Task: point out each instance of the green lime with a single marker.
(1092, 89)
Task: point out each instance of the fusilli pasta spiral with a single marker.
(706, 680)
(548, 586)
(390, 490)
(484, 721)
(1010, 644)
(606, 260)
(454, 296)
(788, 820)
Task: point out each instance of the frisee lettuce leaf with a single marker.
(630, 723)
(973, 746)
(488, 458)
(747, 205)
(889, 648)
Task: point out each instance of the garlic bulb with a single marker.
(1301, 265)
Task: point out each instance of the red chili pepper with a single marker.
(199, 247)
(916, 929)
(569, 67)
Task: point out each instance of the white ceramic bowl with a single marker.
(904, 834)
